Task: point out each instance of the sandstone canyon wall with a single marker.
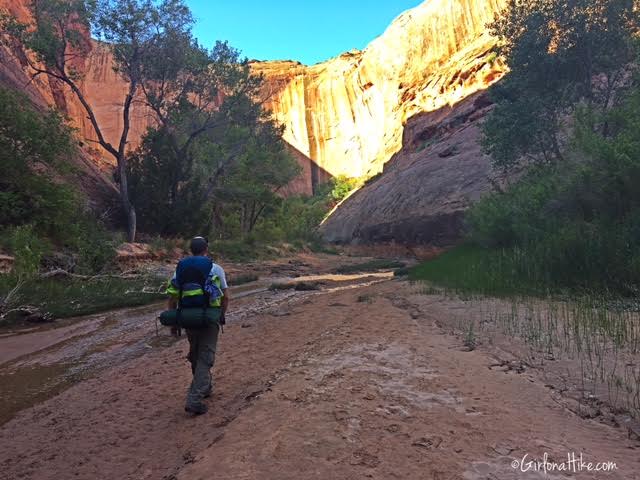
(103, 88)
(348, 114)
(93, 174)
(105, 91)
(425, 189)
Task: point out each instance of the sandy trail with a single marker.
(355, 383)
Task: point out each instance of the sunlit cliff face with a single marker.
(347, 114)
(103, 88)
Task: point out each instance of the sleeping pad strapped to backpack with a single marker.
(199, 296)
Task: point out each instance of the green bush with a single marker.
(96, 248)
(569, 226)
(38, 214)
(28, 250)
(550, 73)
(342, 186)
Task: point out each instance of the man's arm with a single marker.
(172, 292)
(225, 300)
(219, 272)
(172, 302)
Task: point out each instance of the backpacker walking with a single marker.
(199, 287)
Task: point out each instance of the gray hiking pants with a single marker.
(202, 353)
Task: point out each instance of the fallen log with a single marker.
(28, 313)
(63, 273)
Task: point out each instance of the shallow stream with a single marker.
(39, 363)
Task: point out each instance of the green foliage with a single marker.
(298, 217)
(176, 196)
(73, 297)
(151, 43)
(31, 142)
(165, 246)
(208, 167)
(164, 189)
(29, 137)
(239, 250)
(57, 28)
(471, 269)
(554, 51)
(29, 197)
(38, 213)
(572, 226)
(343, 186)
(28, 250)
(94, 245)
(250, 189)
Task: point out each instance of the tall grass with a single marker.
(595, 336)
(596, 327)
(70, 297)
(471, 269)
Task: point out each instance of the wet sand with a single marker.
(359, 382)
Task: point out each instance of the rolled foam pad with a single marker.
(191, 317)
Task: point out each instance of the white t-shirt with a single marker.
(216, 270)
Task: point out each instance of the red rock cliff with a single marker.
(103, 88)
(346, 114)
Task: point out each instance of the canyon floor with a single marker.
(357, 380)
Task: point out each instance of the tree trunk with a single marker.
(243, 221)
(218, 222)
(127, 206)
(122, 163)
(118, 154)
(556, 148)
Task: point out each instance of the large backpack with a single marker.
(188, 274)
(194, 299)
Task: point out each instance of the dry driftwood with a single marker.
(28, 313)
(63, 273)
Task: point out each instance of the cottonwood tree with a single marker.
(226, 180)
(135, 30)
(211, 126)
(254, 180)
(560, 53)
(195, 92)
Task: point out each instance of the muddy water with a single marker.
(37, 365)
(337, 280)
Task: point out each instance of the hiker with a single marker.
(198, 283)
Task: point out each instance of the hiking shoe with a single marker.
(208, 393)
(197, 409)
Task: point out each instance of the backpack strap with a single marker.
(207, 297)
(179, 312)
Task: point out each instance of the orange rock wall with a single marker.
(347, 114)
(103, 88)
